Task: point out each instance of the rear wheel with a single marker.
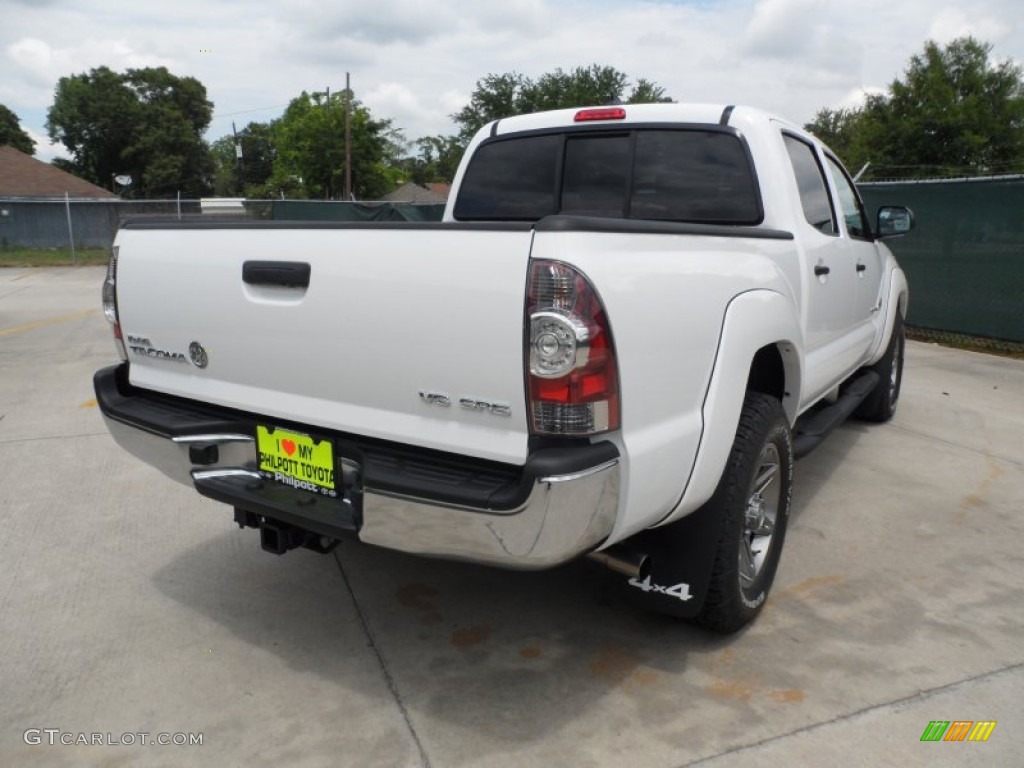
(752, 500)
(880, 405)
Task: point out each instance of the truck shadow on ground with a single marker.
(520, 656)
(814, 472)
(470, 645)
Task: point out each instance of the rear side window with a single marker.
(511, 180)
(669, 175)
(810, 180)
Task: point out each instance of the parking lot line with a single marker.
(46, 321)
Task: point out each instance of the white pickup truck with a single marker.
(629, 323)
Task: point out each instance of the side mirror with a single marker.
(894, 221)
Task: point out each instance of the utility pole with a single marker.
(328, 187)
(240, 187)
(348, 137)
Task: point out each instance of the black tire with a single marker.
(880, 405)
(756, 487)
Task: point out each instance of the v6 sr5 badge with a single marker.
(466, 403)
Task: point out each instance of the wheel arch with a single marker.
(899, 298)
(760, 347)
(775, 371)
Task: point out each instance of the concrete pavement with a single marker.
(129, 604)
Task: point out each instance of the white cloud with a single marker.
(397, 102)
(783, 27)
(388, 96)
(417, 61)
(34, 57)
(47, 150)
(951, 23)
(409, 21)
(42, 64)
(855, 99)
(452, 101)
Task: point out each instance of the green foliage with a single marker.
(226, 178)
(498, 96)
(835, 127)
(11, 133)
(147, 123)
(63, 164)
(438, 160)
(494, 97)
(309, 139)
(954, 113)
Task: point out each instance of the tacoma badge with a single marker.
(141, 345)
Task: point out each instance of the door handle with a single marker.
(820, 270)
(291, 274)
(862, 267)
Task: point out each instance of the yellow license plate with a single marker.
(295, 459)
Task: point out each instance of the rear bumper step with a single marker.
(561, 504)
(309, 511)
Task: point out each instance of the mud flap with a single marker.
(681, 557)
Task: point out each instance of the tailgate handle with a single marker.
(293, 274)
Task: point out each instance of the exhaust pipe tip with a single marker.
(628, 562)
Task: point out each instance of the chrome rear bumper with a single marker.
(563, 514)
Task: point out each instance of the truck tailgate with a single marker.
(389, 313)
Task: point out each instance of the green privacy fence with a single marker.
(965, 258)
(93, 223)
(315, 210)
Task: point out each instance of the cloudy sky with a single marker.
(416, 61)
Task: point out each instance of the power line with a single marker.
(247, 111)
(221, 116)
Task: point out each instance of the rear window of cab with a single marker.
(686, 175)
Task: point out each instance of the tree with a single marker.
(954, 113)
(310, 149)
(147, 123)
(498, 96)
(494, 97)
(11, 133)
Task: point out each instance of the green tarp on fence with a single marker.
(36, 223)
(965, 258)
(314, 210)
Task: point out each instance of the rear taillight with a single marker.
(573, 378)
(110, 303)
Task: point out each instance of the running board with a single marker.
(815, 425)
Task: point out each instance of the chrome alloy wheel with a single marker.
(763, 498)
